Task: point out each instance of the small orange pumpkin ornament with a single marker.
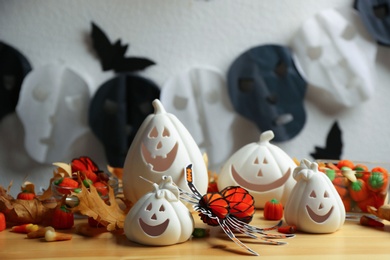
(273, 210)
(63, 218)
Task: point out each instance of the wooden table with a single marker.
(352, 241)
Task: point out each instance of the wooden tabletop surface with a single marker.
(352, 241)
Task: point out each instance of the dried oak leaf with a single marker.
(92, 205)
(23, 211)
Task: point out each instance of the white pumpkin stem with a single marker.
(158, 107)
(266, 136)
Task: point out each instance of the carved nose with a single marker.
(154, 217)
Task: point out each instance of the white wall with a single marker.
(179, 34)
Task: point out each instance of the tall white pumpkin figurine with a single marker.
(262, 168)
(159, 218)
(314, 206)
(162, 146)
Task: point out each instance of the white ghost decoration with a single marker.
(52, 107)
(335, 53)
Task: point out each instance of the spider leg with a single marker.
(230, 234)
(253, 229)
(239, 227)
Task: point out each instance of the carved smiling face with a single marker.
(319, 205)
(160, 145)
(155, 221)
(260, 173)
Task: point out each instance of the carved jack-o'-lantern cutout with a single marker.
(161, 146)
(261, 168)
(314, 205)
(159, 217)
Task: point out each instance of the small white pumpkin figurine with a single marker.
(159, 218)
(314, 205)
(262, 168)
(161, 146)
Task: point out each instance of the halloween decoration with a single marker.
(199, 99)
(314, 205)
(265, 87)
(162, 145)
(375, 16)
(120, 105)
(159, 218)
(262, 168)
(334, 145)
(112, 55)
(232, 210)
(53, 107)
(273, 210)
(63, 218)
(337, 55)
(13, 68)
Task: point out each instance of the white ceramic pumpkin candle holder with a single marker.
(314, 205)
(162, 146)
(262, 168)
(159, 218)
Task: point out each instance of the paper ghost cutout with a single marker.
(53, 107)
(336, 54)
(13, 68)
(334, 145)
(117, 110)
(265, 87)
(376, 17)
(112, 55)
(198, 98)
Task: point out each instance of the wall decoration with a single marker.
(14, 66)
(334, 145)
(376, 18)
(112, 55)
(262, 168)
(161, 146)
(265, 87)
(335, 53)
(53, 108)
(314, 205)
(120, 105)
(159, 218)
(199, 99)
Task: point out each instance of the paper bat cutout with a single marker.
(333, 147)
(112, 56)
(14, 66)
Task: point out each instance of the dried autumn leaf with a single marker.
(23, 211)
(92, 205)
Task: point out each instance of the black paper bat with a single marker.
(112, 56)
(333, 147)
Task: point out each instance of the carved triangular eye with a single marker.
(149, 207)
(313, 194)
(166, 133)
(256, 161)
(153, 133)
(162, 208)
(326, 194)
(265, 161)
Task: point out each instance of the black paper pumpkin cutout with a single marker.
(13, 68)
(265, 87)
(376, 18)
(122, 103)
